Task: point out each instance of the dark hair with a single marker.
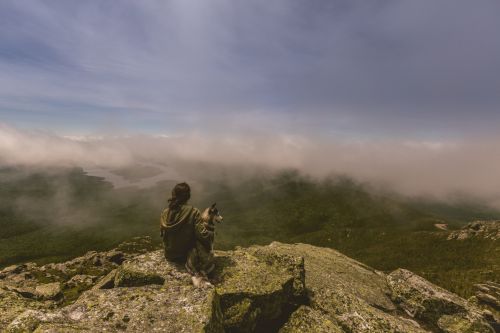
(180, 195)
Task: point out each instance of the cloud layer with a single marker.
(410, 167)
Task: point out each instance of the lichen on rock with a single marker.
(280, 287)
(437, 307)
(256, 290)
(307, 320)
(348, 293)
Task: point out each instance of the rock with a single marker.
(487, 297)
(96, 261)
(25, 292)
(456, 324)
(106, 282)
(257, 288)
(49, 291)
(484, 229)
(347, 292)
(176, 308)
(488, 300)
(21, 277)
(11, 305)
(30, 321)
(488, 293)
(81, 281)
(145, 269)
(115, 256)
(18, 283)
(252, 289)
(14, 269)
(279, 287)
(435, 306)
(26, 322)
(307, 320)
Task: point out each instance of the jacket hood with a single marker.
(182, 216)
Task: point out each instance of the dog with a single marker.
(211, 215)
(201, 259)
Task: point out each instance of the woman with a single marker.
(183, 230)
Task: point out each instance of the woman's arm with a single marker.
(163, 221)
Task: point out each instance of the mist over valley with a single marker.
(350, 149)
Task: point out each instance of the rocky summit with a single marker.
(276, 288)
(483, 229)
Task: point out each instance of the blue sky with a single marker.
(348, 69)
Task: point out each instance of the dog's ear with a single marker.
(213, 206)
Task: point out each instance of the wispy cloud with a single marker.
(35, 148)
(390, 68)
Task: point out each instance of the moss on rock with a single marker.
(307, 320)
(436, 307)
(347, 292)
(49, 291)
(256, 290)
(291, 288)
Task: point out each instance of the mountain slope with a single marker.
(57, 214)
(279, 287)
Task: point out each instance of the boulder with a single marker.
(279, 287)
(49, 291)
(149, 268)
(13, 269)
(106, 282)
(30, 320)
(257, 290)
(250, 291)
(115, 256)
(488, 294)
(482, 229)
(27, 286)
(307, 320)
(81, 281)
(347, 292)
(25, 292)
(12, 305)
(487, 297)
(173, 308)
(438, 308)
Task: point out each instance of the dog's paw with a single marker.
(197, 281)
(207, 284)
(201, 282)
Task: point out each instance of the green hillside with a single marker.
(51, 215)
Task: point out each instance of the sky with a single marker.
(343, 69)
(397, 92)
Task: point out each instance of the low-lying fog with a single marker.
(412, 168)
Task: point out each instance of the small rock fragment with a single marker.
(49, 291)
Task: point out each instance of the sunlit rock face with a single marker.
(483, 229)
(438, 308)
(276, 288)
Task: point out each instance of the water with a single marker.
(162, 173)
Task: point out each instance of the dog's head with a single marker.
(214, 214)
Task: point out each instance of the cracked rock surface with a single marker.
(275, 288)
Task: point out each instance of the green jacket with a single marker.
(183, 232)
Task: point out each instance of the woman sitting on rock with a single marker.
(188, 238)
